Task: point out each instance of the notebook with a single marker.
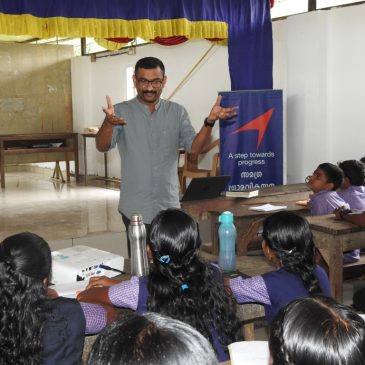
(249, 353)
(209, 187)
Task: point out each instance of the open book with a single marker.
(242, 194)
(249, 353)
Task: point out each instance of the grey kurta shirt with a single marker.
(148, 146)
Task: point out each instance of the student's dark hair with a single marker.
(181, 285)
(149, 63)
(317, 331)
(25, 261)
(333, 173)
(290, 237)
(354, 170)
(151, 339)
(362, 159)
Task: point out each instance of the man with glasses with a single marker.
(149, 131)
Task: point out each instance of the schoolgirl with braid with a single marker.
(288, 245)
(179, 285)
(37, 327)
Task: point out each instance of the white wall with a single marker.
(319, 62)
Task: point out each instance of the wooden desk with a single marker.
(39, 148)
(332, 237)
(275, 195)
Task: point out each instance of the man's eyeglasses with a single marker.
(157, 83)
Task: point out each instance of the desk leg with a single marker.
(336, 268)
(2, 168)
(68, 170)
(85, 161)
(249, 331)
(331, 250)
(76, 144)
(106, 165)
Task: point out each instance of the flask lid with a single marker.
(226, 217)
(136, 219)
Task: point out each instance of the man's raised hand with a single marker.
(110, 116)
(219, 112)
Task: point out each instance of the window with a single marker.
(328, 3)
(131, 90)
(288, 7)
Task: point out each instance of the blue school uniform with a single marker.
(275, 281)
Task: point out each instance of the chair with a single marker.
(190, 168)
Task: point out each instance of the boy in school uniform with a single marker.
(324, 182)
(353, 193)
(352, 189)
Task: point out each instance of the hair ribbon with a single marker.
(165, 259)
(184, 287)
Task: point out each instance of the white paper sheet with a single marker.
(249, 353)
(268, 208)
(69, 290)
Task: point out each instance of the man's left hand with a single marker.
(218, 112)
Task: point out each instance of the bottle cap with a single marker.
(226, 217)
(136, 219)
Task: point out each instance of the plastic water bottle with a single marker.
(137, 238)
(227, 242)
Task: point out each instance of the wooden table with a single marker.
(93, 135)
(39, 147)
(275, 195)
(332, 237)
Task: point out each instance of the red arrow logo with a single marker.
(259, 124)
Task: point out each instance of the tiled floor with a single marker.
(63, 214)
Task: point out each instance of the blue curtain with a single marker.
(248, 22)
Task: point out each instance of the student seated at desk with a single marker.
(353, 193)
(317, 331)
(288, 244)
(151, 339)
(180, 285)
(352, 190)
(324, 182)
(37, 327)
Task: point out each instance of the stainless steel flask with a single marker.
(137, 238)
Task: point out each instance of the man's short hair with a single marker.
(149, 63)
(354, 170)
(333, 173)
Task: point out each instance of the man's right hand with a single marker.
(110, 116)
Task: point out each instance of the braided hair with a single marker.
(181, 285)
(291, 239)
(25, 261)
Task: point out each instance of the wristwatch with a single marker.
(208, 124)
